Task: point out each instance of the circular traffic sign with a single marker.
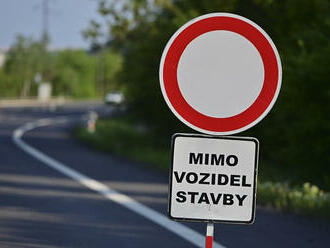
(220, 73)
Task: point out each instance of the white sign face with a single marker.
(220, 74)
(213, 178)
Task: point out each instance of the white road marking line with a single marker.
(184, 232)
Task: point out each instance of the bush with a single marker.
(306, 199)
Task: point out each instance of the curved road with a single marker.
(125, 206)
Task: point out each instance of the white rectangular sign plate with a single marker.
(213, 178)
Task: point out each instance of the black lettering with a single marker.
(206, 159)
(216, 160)
(240, 199)
(181, 196)
(192, 198)
(192, 175)
(205, 176)
(179, 178)
(224, 181)
(215, 200)
(204, 198)
(232, 160)
(193, 159)
(228, 199)
(234, 180)
(213, 177)
(244, 184)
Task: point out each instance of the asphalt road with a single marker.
(43, 208)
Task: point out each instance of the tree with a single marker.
(293, 135)
(74, 74)
(25, 58)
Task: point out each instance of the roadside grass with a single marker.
(121, 137)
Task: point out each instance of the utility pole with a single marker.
(45, 13)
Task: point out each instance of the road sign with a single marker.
(220, 73)
(213, 178)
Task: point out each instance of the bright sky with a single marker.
(67, 18)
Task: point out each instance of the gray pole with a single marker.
(45, 19)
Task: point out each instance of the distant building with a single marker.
(2, 57)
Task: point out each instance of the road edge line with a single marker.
(179, 229)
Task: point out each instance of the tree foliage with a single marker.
(295, 135)
(24, 59)
(75, 74)
(72, 73)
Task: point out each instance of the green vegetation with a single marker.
(121, 137)
(306, 199)
(24, 59)
(73, 73)
(295, 135)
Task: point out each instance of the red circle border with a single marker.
(252, 113)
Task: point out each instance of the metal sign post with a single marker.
(220, 74)
(209, 235)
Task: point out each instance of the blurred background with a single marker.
(87, 49)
